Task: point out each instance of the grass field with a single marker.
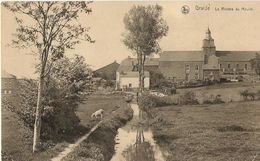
(17, 139)
(224, 132)
(229, 91)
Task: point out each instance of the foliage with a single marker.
(214, 100)
(255, 62)
(48, 28)
(157, 80)
(189, 98)
(231, 128)
(65, 89)
(144, 28)
(147, 101)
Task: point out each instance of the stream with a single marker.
(134, 142)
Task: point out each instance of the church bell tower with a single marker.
(208, 47)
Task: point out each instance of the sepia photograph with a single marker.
(130, 80)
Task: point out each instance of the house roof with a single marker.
(236, 55)
(4, 74)
(127, 64)
(133, 74)
(112, 67)
(182, 56)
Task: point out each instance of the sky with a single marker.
(231, 29)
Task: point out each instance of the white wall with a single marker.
(125, 81)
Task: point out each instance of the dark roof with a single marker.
(107, 72)
(127, 64)
(236, 55)
(112, 67)
(182, 56)
(4, 74)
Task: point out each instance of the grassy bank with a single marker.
(216, 132)
(17, 138)
(100, 145)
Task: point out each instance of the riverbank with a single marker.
(212, 132)
(100, 144)
(17, 138)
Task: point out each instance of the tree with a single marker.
(144, 28)
(49, 28)
(255, 62)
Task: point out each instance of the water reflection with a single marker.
(141, 150)
(135, 142)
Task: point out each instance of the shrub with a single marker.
(61, 96)
(147, 101)
(189, 98)
(232, 128)
(214, 100)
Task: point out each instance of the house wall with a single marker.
(176, 70)
(9, 85)
(134, 81)
(233, 64)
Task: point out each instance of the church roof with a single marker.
(182, 56)
(127, 64)
(236, 55)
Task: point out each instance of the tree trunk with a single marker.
(37, 124)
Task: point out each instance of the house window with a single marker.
(187, 68)
(220, 66)
(228, 66)
(197, 76)
(197, 67)
(5, 91)
(245, 66)
(237, 66)
(130, 85)
(9, 92)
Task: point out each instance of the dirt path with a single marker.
(71, 147)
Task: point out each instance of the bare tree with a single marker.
(50, 28)
(144, 28)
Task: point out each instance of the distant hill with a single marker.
(107, 72)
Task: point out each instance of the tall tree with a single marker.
(50, 27)
(144, 28)
(255, 63)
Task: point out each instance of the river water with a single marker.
(134, 142)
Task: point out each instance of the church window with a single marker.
(245, 66)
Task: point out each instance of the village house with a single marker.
(206, 64)
(9, 83)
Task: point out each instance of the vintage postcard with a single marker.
(130, 81)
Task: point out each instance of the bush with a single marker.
(214, 100)
(147, 101)
(189, 98)
(61, 95)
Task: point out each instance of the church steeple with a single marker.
(208, 34)
(208, 47)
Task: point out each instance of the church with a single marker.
(205, 64)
